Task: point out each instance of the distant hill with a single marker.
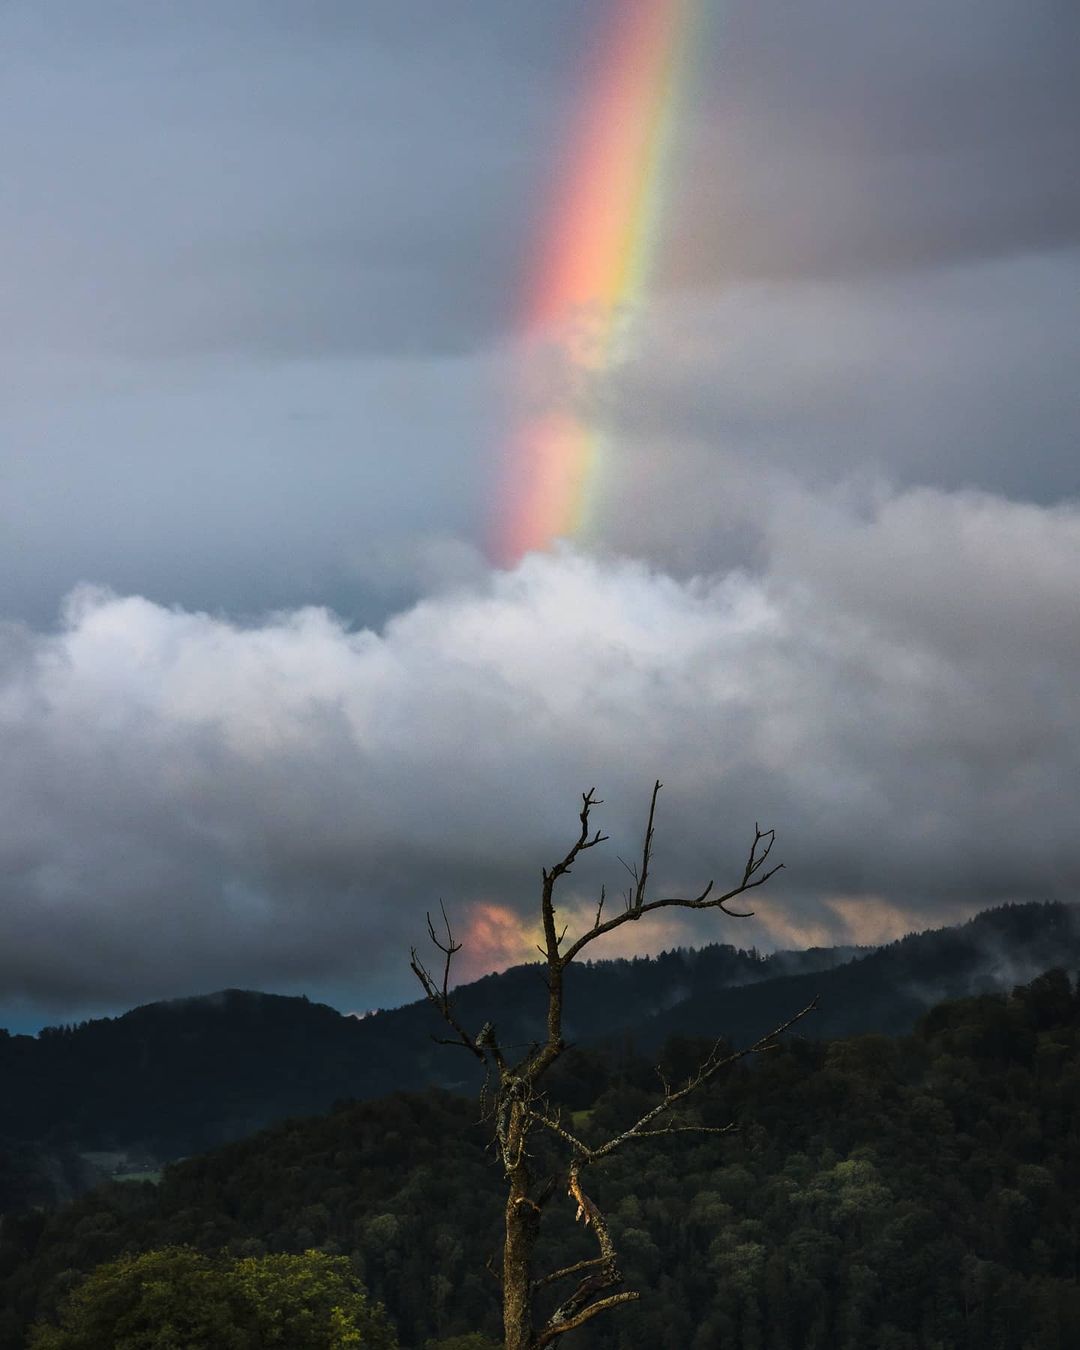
(174, 1078)
(171, 1079)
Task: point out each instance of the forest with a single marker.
(906, 1193)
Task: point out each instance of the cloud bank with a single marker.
(189, 803)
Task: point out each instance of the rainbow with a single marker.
(591, 271)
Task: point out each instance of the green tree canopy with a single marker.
(179, 1299)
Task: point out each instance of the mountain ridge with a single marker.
(177, 1077)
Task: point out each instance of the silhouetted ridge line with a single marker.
(175, 1078)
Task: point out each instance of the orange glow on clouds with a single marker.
(856, 920)
(493, 939)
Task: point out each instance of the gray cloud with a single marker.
(844, 140)
(349, 179)
(959, 379)
(371, 179)
(241, 487)
(190, 803)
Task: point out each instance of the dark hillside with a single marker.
(179, 1077)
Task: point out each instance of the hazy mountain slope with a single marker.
(887, 990)
(181, 1076)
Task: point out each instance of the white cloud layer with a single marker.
(189, 803)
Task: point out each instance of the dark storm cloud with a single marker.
(276, 181)
(844, 139)
(188, 803)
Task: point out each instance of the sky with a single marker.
(267, 691)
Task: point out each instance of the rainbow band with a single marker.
(592, 270)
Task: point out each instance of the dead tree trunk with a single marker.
(522, 1226)
(518, 1107)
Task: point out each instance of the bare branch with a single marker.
(589, 1298)
(551, 1332)
(536, 1063)
(445, 1010)
(636, 904)
(439, 994)
(628, 894)
(461, 1045)
(713, 1063)
(568, 1270)
(584, 840)
(449, 948)
(546, 1191)
(686, 1129)
(556, 1127)
(642, 873)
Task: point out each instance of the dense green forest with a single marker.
(171, 1079)
(918, 1193)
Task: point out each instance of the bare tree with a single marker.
(518, 1107)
